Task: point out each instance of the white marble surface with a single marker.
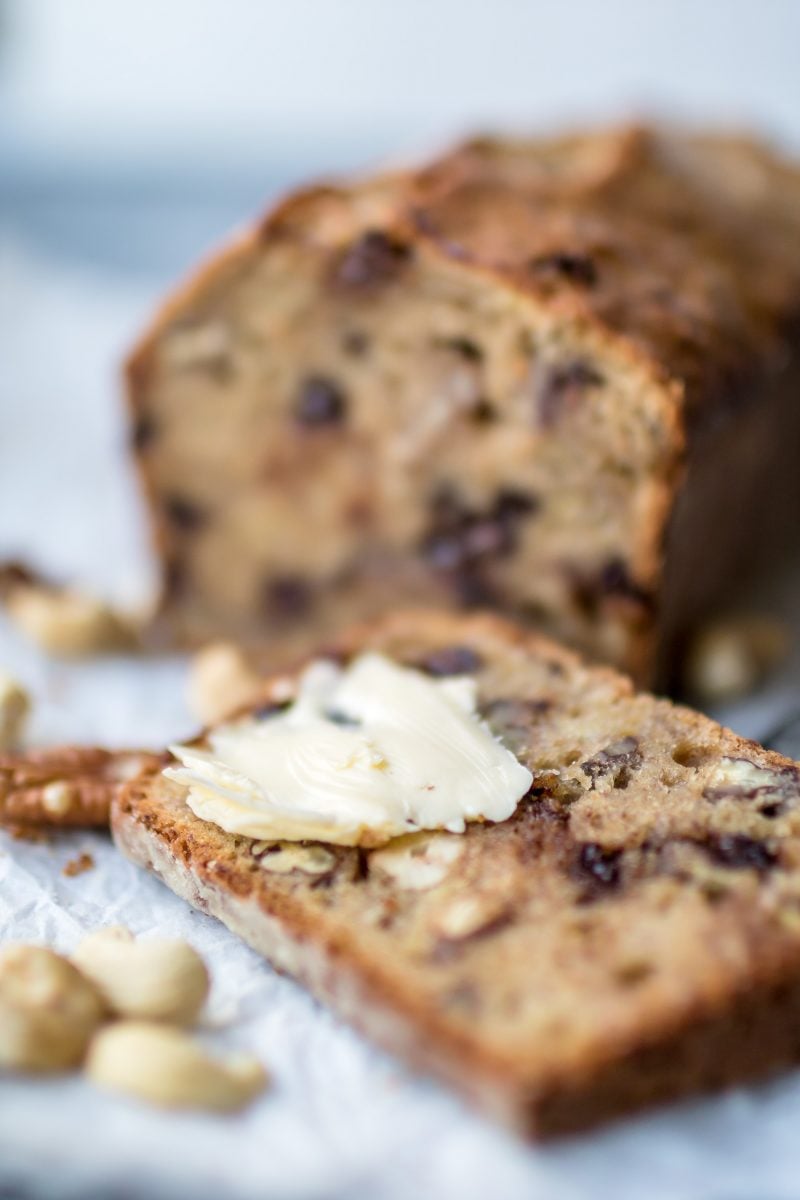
(342, 1120)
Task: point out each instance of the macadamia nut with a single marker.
(165, 1066)
(155, 979)
(48, 1010)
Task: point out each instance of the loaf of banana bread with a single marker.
(553, 378)
(630, 933)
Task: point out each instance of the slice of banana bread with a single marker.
(630, 934)
(507, 380)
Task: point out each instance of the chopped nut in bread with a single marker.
(65, 786)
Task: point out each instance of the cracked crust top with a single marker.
(682, 248)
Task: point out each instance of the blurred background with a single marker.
(135, 136)
(134, 133)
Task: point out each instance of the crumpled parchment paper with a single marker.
(341, 1120)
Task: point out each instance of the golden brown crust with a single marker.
(653, 867)
(671, 260)
(66, 786)
(685, 246)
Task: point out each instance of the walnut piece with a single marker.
(281, 858)
(66, 786)
(468, 916)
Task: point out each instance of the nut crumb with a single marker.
(14, 709)
(69, 623)
(467, 916)
(282, 858)
(418, 861)
(77, 866)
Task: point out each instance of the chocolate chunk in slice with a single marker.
(319, 401)
(288, 596)
(599, 868)
(740, 852)
(578, 269)
(452, 660)
(373, 259)
(616, 760)
(559, 388)
(184, 514)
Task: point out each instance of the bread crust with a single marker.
(673, 255)
(725, 964)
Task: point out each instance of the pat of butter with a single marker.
(363, 755)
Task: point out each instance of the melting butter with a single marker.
(363, 754)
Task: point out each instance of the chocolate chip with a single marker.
(473, 591)
(143, 432)
(175, 578)
(319, 401)
(270, 709)
(487, 537)
(184, 514)
(463, 540)
(443, 551)
(461, 535)
(737, 851)
(371, 260)
(288, 596)
(355, 343)
(511, 502)
(617, 760)
(600, 866)
(452, 660)
(575, 268)
(484, 412)
(559, 388)
(466, 348)
(360, 865)
(614, 580)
